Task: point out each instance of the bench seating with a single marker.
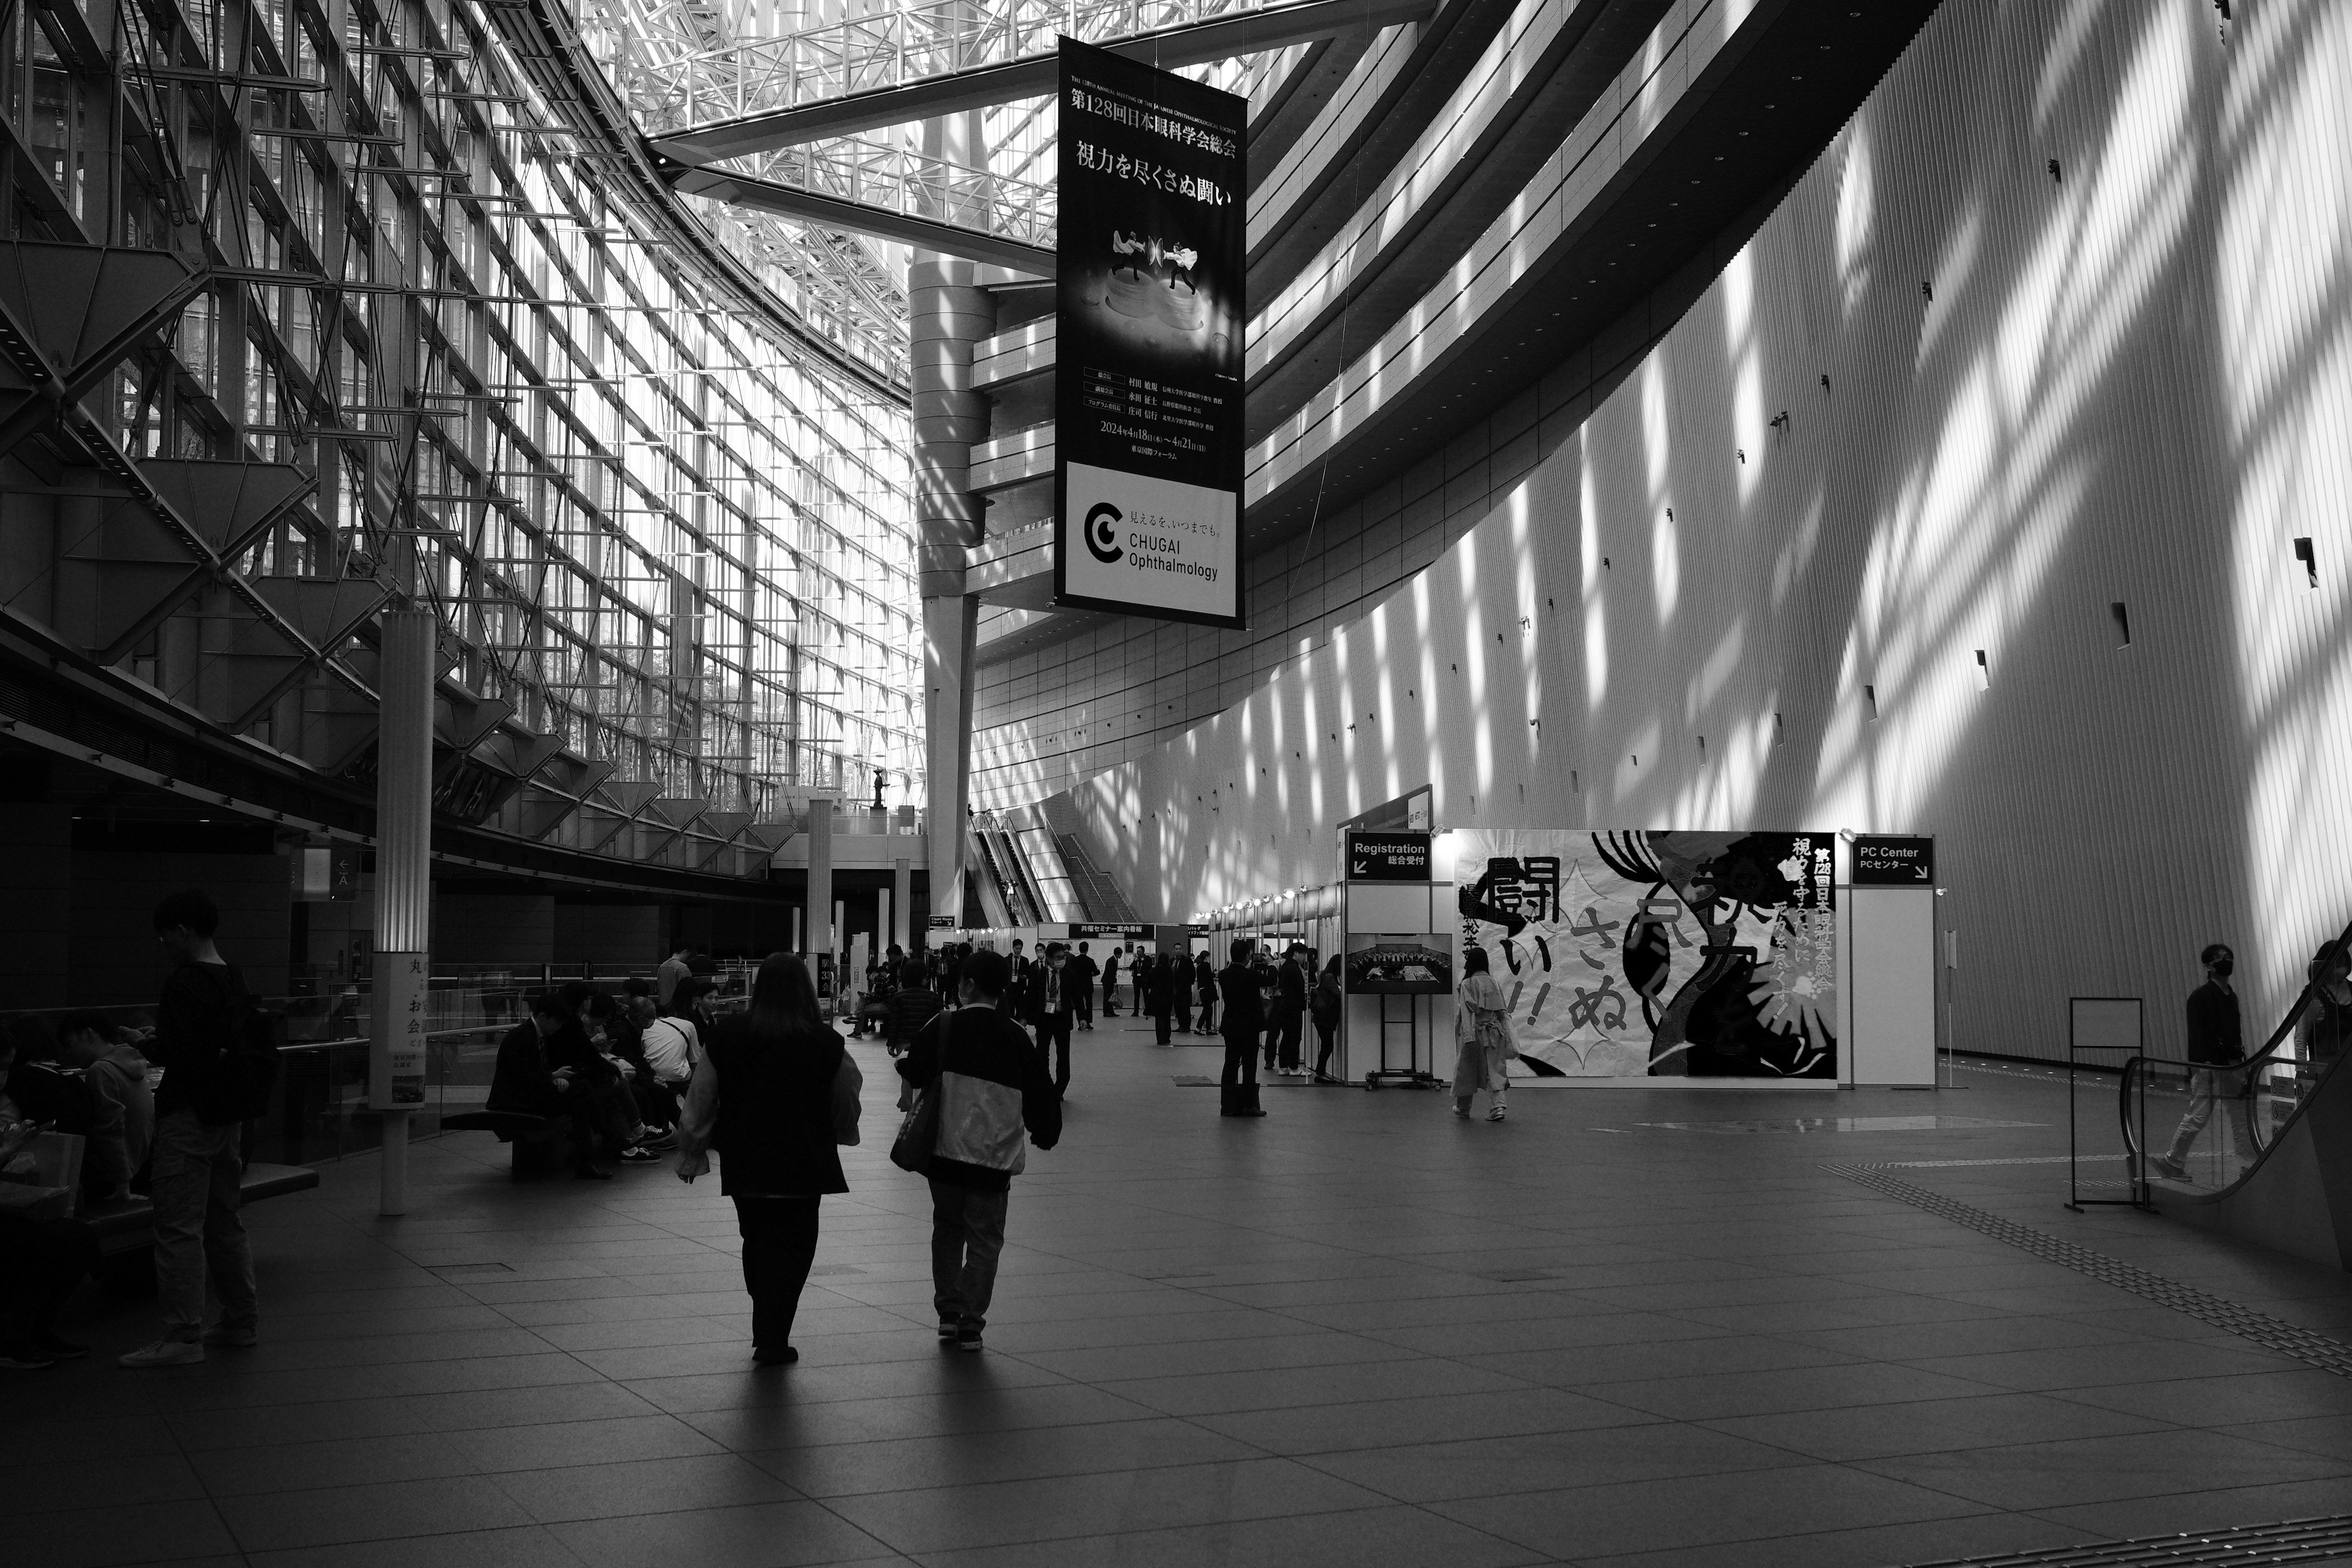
(541, 1142)
(127, 1225)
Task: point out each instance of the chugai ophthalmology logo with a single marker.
(1102, 531)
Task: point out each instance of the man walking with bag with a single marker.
(985, 1089)
(199, 1118)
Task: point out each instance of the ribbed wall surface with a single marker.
(2131, 385)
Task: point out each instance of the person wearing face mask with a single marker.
(2215, 1041)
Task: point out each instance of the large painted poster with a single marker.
(1667, 954)
(1148, 438)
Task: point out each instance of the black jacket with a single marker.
(1244, 1008)
(776, 1126)
(195, 1022)
(2214, 1035)
(1290, 989)
(991, 1087)
(524, 1079)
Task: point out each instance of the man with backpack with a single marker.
(202, 1041)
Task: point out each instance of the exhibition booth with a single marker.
(1781, 960)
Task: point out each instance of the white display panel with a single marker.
(1149, 546)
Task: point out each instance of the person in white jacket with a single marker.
(1482, 1038)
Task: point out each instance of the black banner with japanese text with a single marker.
(1148, 380)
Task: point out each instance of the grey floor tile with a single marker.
(942, 1518)
(1223, 1393)
(1389, 1423)
(95, 1481)
(490, 1449)
(331, 1462)
(1933, 1426)
(2228, 1401)
(1802, 1388)
(525, 1546)
(179, 1533)
(1495, 1467)
(848, 1469)
(1702, 1511)
(762, 1535)
(331, 1515)
(2135, 1364)
(1367, 1538)
(2035, 1477)
(1873, 1546)
(638, 1487)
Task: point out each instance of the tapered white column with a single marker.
(400, 1003)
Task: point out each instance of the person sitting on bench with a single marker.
(547, 1068)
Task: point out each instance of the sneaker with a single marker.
(949, 1328)
(640, 1154)
(2168, 1167)
(968, 1339)
(163, 1352)
(57, 1349)
(665, 1139)
(783, 1357)
(228, 1338)
(25, 1358)
(1461, 1113)
(1496, 1114)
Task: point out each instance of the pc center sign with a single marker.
(1148, 438)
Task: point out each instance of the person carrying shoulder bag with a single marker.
(776, 1095)
(985, 1096)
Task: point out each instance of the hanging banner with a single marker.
(1893, 861)
(1148, 439)
(1669, 954)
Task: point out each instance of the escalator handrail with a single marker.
(2136, 1068)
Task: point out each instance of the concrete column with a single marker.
(882, 926)
(948, 312)
(820, 874)
(403, 890)
(902, 902)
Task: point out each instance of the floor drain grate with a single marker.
(2260, 1327)
(2297, 1541)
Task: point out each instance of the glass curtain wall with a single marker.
(661, 515)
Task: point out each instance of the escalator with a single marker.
(995, 903)
(2260, 1149)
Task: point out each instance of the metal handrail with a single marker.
(2133, 1086)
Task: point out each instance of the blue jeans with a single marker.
(199, 1234)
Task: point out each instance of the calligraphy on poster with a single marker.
(1658, 954)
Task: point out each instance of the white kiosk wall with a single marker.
(1889, 923)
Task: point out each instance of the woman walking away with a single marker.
(1482, 1036)
(1323, 1005)
(775, 1094)
(1204, 977)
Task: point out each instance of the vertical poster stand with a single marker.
(2103, 1024)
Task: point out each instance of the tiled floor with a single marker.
(1357, 1332)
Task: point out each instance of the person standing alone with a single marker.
(992, 1091)
(2215, 1041)
(196, 1172)
(1111, 983)
(1237, 1081)
(1082, 987)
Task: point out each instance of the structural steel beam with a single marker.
(1034, 77)
(859, 218)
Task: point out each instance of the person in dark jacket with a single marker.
(993, 1091)
(1082, 986)
(196, 1161)
(1290, 1011)
(1053, 1000)
(1158, 983)
(546, 1067)
(2216, 1040)
(1325, 1004)
(776, 1096)
(912, 1005)
(1110, 983)
(1244, 1020)
(1204, 982)
(1180, 990)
